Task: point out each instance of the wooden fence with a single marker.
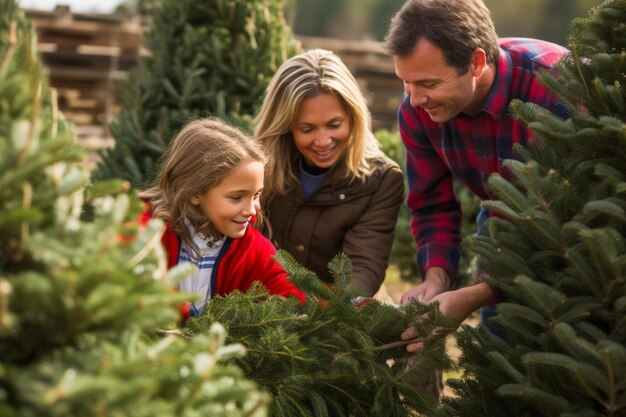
(87, 54)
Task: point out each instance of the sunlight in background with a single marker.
(78, 6)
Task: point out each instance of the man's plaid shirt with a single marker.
(470, 148)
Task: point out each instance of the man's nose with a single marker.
(416, 96)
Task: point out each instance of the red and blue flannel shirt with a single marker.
(470, 148)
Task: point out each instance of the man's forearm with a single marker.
(476, 296)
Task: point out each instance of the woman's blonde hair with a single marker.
(203, 153)
(304, 76)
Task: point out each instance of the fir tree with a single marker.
(208, 57)
(79, 306)
(335, 356)
(558, 252)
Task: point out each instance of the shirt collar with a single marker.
(201, 241)
(498, 98)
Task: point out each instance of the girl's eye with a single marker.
(235, 197)
(306, 130)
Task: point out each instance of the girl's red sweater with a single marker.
(240, 263)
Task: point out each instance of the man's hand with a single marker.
(435, 282)
(458, 304)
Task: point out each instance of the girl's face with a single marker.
(321, 130)
(231, 204)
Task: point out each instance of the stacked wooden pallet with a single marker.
(86, 55)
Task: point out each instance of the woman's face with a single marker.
(321, 130)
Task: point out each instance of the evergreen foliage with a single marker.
(334, 356)
(78, 305)
(558, 254)
(211, 57)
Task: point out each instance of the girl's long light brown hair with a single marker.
(203, 153)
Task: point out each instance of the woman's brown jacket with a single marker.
(357, 217)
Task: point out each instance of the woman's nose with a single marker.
(323, 139)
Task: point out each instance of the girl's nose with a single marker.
(252, 208)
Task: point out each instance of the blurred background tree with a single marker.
(369, 19)
(212, 57)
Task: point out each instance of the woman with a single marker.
(329, 188)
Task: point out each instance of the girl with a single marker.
(330, 188)
(208, 193)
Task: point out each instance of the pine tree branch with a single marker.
(437, 334)
(264, 400)
(316, 328)
(265, 352)
(265, 323)
(175, 332)
(344, 392)
(11, 41)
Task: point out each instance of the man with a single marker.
(455, 120)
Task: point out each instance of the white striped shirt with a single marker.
(200, 281)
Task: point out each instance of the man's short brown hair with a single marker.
(456, 27)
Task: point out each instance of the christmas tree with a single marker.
(80, 305)
(558, 251)
(336, 356)
(210, 57)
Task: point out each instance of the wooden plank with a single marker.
(62, 59)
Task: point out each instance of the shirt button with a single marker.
(300, 248)
(342, 196)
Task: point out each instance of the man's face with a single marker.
(437, 87)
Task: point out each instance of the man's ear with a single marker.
(478, 65)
